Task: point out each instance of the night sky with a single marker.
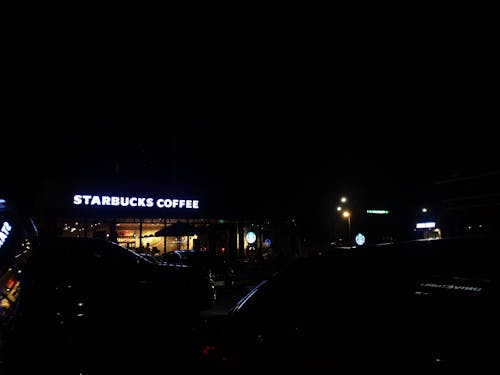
(299, 111)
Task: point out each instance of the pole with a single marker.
(164, 237)
(140, 233)
(349, 240)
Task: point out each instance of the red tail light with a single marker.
(213, 353)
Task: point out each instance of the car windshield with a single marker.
(194, 257)
(387, 277)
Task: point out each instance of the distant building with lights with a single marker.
(470, 203)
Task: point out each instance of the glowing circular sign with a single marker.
(251, 237)
(360, 239)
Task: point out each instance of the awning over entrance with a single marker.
(178, 228)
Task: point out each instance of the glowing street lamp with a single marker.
(347, 215)
(342, 209)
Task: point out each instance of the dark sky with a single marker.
(288, 104)
(293, 144)
(288, 131)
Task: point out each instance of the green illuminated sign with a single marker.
(377, 212)
(251, 237)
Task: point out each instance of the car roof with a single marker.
(474, 244)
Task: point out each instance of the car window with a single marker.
(112, 254)
(172, 257)
(382, 284)
(307, 287)
(87, 259)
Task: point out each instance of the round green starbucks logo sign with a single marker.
(251, 237)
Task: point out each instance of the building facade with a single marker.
(159, 221)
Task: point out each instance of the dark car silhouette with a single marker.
(221, 272)
(426, 306)
(103, 309)
(18, 240)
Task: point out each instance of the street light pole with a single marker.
(349, 229)
(347, 215)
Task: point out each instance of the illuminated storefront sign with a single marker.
(251, 237)
(430, 224)
(4, 232)
(105, 200)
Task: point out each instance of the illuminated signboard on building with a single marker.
(106, 200)
(430, 224)
(4, 232)
(251, 237)
(377, 212)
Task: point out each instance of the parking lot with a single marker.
(247, 277)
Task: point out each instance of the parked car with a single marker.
(94, 304)
(220, 271)
(18, 239)
(427, 306)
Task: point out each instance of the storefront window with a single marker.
(129, 232)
